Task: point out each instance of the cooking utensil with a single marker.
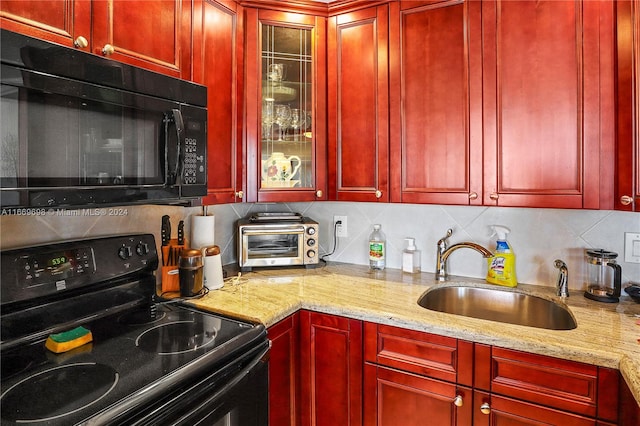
(181, 233)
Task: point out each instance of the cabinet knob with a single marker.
(378, 194)
(108, 50)
(485, 408)
(493, 196)
(80, 42)
(457, 401)
(625, 200)
(319, 193)
(473, 196)
(240, 194)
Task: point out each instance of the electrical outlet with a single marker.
(341, 230)
(632, 247)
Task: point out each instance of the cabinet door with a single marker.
(283, 372)
(500, 411)
(358, 105)
(286, 106)
(330, 370)
(435, 102)
(394, 397)
(218, 64)
(627, 195)
(60, 21)
(548, 103)
(152, 34)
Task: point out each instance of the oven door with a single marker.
(272, 246)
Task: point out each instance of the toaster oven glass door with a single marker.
(273, 247)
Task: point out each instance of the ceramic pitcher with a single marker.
(278, 167)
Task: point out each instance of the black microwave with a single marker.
(81, 130)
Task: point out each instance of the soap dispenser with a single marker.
(410, 257)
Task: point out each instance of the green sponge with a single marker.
(67, 340)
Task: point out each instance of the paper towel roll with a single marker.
(202, 231)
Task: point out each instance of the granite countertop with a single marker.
(607, 335)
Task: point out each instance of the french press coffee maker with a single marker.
(604, 276)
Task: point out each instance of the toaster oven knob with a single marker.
(311, 231)
(311, 253)
(311, 242)
(124, 252)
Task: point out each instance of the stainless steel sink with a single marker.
(510, 307)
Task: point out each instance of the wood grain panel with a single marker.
(283, 372)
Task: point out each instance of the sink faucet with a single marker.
(443, 254)
(562, 285)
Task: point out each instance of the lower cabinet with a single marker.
(332, 370)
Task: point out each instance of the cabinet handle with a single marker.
(457, 401)
(108, 50)
(80, 42)
(493, 196)
(319, 193)
(240, 194)
(485, 408)
(378, 194)
(473, 196)
(625, 200)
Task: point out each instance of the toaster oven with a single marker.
(277, 239)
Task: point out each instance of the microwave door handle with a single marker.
(173, 171)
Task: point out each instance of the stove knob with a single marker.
(311, 242)
(124, 252)
(142, 248)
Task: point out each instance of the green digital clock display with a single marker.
(57, 260)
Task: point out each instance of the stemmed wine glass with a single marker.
(268, 117)
(283, 119)
(297, 121)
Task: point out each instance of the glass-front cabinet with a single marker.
(286, 107)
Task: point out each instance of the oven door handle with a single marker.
(273, 231)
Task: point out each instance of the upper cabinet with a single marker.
(285, 118)
(358, 102)
(218, 64)
(627, 196)
(150, 34)
(435, 102)
(548, 103)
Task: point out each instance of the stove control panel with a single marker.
(49, 269)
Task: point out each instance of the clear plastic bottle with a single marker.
(377, 248)
(411, 257)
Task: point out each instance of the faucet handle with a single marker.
(443, 241)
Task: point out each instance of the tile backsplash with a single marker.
(538, 236)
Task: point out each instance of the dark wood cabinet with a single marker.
(285, 162)
(548, 103)
(358, 105)
(435, 103)
(627, 192)
(150, 34)
(519, 384)
(284, 404)
(218, 64)
(331, 364)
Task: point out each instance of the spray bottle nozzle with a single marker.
(500, 231)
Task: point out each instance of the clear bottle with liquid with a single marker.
(377, 248)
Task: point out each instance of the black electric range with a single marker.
(149, 362)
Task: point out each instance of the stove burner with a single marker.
(57, 392)
(13, 365)
(176, 337)
(147, 315)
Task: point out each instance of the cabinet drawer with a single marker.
(440, 357)
(566, 385)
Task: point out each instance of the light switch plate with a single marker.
(632, 247)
